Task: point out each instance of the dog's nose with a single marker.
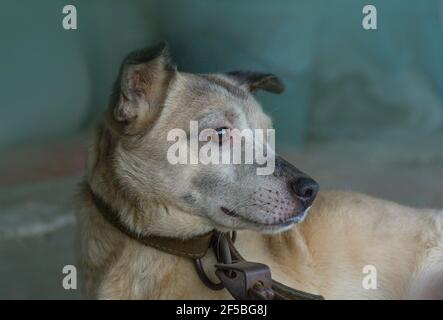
(304, 189)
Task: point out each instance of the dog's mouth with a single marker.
(282, 223)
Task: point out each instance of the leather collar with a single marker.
(193, 248)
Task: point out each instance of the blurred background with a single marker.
(362, 110)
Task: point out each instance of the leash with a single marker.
(245, 280)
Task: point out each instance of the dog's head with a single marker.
(152, 99)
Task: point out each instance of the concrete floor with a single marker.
(37, 224)
(37, 229)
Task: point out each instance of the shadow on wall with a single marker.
(342, 82)
(381, 85)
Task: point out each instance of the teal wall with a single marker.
(53, 82)
(342, 82)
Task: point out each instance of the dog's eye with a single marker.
(222, 134)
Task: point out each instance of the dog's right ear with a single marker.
(254, 81)
(141, 87)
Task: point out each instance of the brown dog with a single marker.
(345, 238)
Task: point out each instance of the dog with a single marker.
(349, 245)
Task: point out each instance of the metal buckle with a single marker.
(222, 253)
(246, 280)
(243, 279)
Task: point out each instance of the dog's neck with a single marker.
(156, 219)
(163, 220)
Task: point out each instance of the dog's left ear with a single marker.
(258, 80)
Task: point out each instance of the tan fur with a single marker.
(325, 254)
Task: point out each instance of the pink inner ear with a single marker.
(137, 83)
(136, 79)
